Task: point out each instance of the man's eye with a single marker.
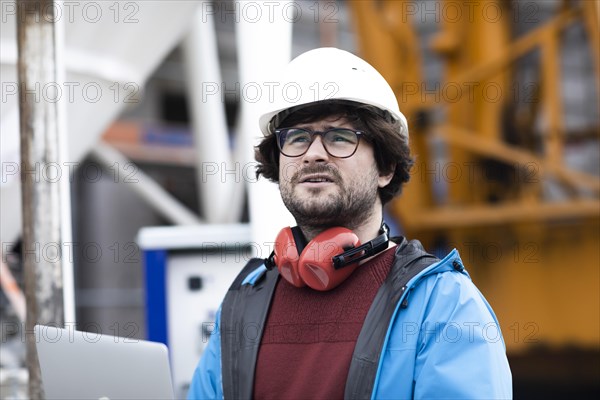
(339, 138)
(299, 138)
(342, 137)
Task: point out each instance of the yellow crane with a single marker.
(495, 174)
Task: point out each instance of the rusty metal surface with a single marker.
(41, 196)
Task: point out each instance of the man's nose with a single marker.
(316, 151)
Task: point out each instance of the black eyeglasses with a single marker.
(338, 142)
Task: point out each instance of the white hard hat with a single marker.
(329, 74)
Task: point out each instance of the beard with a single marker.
(349, 205)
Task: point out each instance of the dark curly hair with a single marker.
(391, 150)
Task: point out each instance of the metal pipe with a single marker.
(206, 94)
(257, 41)
(68, 275)
(150, 191)
(42, 197)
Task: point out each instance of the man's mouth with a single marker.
(316, 178)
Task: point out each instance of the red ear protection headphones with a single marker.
(324, 262)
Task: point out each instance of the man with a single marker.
(339, 310)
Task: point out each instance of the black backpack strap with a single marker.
(410, 259)
(243, 315)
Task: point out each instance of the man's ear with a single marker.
(384, 180)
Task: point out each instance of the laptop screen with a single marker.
(86, 365)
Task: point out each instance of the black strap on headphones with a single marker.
(368, 249)
(270, 261)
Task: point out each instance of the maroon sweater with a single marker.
(309, 336)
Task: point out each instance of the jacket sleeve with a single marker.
(207, 382)
(461, 353)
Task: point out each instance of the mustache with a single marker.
(316, 169)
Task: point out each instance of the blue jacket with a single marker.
(443, 341)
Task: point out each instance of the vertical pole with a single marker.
(553, 107)
(207, 110)
(267, 39)
(42, 192)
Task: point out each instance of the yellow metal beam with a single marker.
(512, 155)
(518, 48)
(591, 16)
(552, 97)
(443, 218)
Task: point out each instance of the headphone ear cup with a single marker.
(287, 257)
(315, 265)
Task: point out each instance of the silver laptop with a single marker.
(82, 365)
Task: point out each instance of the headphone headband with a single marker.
(346, 258)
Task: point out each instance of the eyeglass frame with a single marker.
(312, 133)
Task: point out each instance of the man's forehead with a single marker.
(333, 121)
